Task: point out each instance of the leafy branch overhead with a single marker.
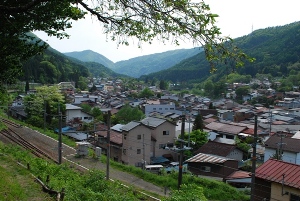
(163, 20)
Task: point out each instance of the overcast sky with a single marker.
(236, 18)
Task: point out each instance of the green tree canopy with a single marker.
(198, 123)
(146, 93)
(128, 114)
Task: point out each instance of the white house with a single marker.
(287, 147)
(75, 112)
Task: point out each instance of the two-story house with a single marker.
(147, 139)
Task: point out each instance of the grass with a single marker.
(17, 184)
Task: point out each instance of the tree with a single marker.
(144, 20)
(48, 98)
(127, 114)
(146, 93)
(242, 91)
(198, 123)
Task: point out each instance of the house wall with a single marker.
(131, 146)
(71, 114)
(162, 108)
(276, 192)
(262, 189)
(290, 157)
(236, 154)
(162, 139)
(221, 170)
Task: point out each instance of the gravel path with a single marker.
(50, 145)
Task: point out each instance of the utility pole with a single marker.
(253, 160)
(181, 152)
(59, 135)
(144, 162)
(108, 145)
(45, 116)
(279, 153)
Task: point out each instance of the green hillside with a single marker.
(276, 50)
(91, 56)
(144, 65)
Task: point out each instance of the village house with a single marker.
(277, 180)
(221, 149)
(75, 115)
(212, 165)
(286, 148)
(145, 140)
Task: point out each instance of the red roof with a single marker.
(239, 175)
(273, 170)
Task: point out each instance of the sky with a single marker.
(236, 18)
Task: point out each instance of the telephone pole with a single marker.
(59, 135)
(108, 145)
(181, 152)
(254, 160)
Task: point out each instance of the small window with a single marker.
(154, 108)
(160, 108)
(138, 151)
(166, 108)
(205, 168)
(125, 136)
(294, 197)
(171, 108)
(162, 146)
(166, 133)
(139, 137)
(124, 151)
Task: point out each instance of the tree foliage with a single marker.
(198, 123)
(46, 99)
(128, 114)
(144, 20)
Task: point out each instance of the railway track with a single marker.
(14, 137)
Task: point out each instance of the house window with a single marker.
(294, 197)
(166, 108)
(154, 108)
(138, 151)
(139, 137)
(162, 146)
(125, 136)
(205, 168)
(160, 108)
(124, 151)
(171, 108)
(166, 133)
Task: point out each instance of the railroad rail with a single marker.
(19, 140)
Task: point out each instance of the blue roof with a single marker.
(158, 160)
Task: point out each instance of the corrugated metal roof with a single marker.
(208, 158)
(226, 128)
(273, 170)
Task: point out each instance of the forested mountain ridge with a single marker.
(138, 66)
(276, 50)
(147, 64)
(91, 56)
(54, 67)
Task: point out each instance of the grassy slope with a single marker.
(17, 184)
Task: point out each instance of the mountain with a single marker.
(138, 66)
(53, 67)
(276, 50)
(144, 65)
(90, 56)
